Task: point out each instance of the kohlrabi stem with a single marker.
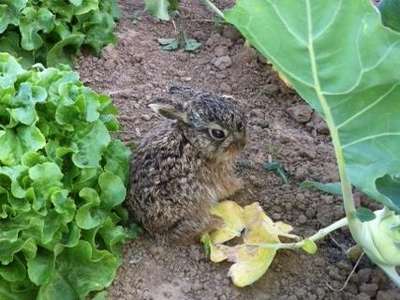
(320, 234)
(348, 201)
(213, 8)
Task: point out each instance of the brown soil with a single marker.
(136, 71)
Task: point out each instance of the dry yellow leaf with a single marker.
(232, 215)
(250, 261)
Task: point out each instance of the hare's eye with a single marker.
(217, 134)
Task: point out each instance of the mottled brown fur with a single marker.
(180, 170)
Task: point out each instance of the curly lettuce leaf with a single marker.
(62, 182)
(53, 32)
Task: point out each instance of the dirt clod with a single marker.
(364, 275)
(388, 295)
(222, 62)
(369, 289)
(302, 113)
(220, 51)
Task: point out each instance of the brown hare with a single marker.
(185, 164)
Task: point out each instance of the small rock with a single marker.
(220, 75)
(319, 124)
(276, 216)
(302, 219)
(146, 117)
(220, 51)
(225, 88)
(245, 56)
(388, 295)
(186, 79)
(310, 212)
(213, 40)
(216, 39)
(222, 62)
(369, 289)
(302, 113)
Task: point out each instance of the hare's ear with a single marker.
(170, 112)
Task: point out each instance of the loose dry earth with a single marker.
(136, 71)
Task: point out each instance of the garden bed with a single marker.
(281, 128)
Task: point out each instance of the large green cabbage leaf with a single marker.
(52, 31)
(62, 180)
(341, 60)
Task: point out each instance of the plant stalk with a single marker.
(211, 6)
(320, 234)
(349, 207)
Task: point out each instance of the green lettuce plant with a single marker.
(62, 181)
(345, 63)
(51, 32)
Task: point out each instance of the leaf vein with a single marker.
(292, 33)
(368, 107)
(329, 24)
(371, 137)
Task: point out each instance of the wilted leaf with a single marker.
(250, 260)
(330, 188)
(232, 215)
(191, 45)
(169, 44)
(250, 264)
